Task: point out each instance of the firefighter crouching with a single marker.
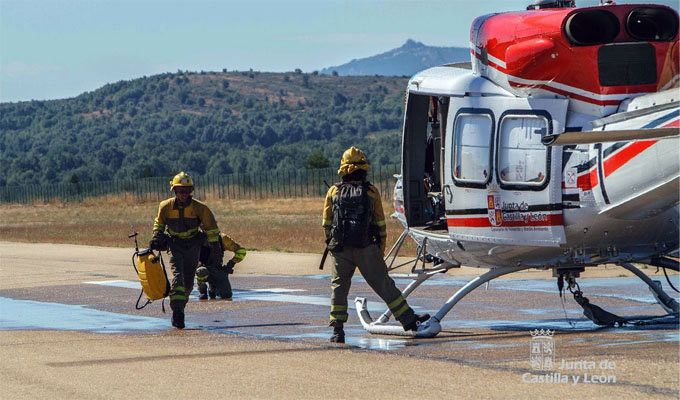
(356, 234)
(182, 225)
(213, 280)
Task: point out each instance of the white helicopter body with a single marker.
(558, 149)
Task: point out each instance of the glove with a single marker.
(229, 267)
(159, 242)
(216, 254)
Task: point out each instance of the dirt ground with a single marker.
(210, 359)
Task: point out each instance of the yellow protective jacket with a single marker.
(378, 214)
(184, 222)
(229, 244)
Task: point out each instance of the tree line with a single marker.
(202, 122)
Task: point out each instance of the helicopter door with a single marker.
(502, 185)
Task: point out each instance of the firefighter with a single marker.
(182, 225)
(213, 281)
(356, 234)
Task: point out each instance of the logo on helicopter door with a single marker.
(493, 205)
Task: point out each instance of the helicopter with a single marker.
(557, 149)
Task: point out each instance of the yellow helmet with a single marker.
(181, 180)
(352, 160)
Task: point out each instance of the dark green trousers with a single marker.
(183, 262)
(374, 270)
(219, 282)
(218, 279)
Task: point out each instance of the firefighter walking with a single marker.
(182, 225)
(354, 224)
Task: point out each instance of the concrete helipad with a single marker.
(68, 329)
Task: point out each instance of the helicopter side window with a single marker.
(473, 132)
(522, 159)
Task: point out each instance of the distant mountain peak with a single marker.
(411, 57)
(412, 44)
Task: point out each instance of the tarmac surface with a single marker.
(69, 329)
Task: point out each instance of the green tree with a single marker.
(317, 160)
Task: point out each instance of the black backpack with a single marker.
(352, 215)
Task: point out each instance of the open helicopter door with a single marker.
(501, 184)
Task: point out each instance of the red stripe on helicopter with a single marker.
(489, 62)
(617, 160)
(566, 93)
(483, 222)
(588, 180)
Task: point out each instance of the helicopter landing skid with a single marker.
(431, 327)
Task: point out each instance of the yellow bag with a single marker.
(152, 275)
(150, 270)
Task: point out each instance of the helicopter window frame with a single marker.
(455, 136)
(524, 185)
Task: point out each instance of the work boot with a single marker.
(226, 295)
(413, 326)
(338, 332)
(178, 319)
(338, 335)
(203, 296)
(226, 291)
(422, 317)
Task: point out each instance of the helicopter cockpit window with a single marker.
(522, 158)
(472, 148)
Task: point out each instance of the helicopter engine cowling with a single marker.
(595, 56)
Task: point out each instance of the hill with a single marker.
(406, 60)
(205, 123)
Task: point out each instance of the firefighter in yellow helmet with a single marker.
(212, 280)
(356, 234)
(182, 225)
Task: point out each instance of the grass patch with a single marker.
(284, 225)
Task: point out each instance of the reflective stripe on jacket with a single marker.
(229, 244)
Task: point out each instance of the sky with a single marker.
(51, 49)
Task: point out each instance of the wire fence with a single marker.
(271, 184)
